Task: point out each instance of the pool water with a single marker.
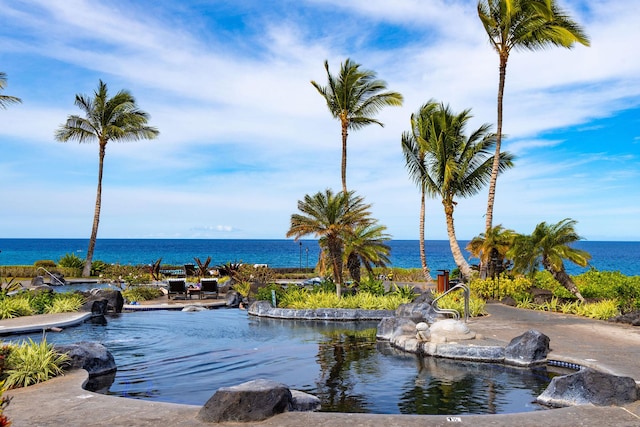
(184, 357)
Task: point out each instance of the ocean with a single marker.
(277, 253)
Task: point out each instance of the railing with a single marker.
(467, 294)
(53, 277)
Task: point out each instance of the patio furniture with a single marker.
(177, 287)
(208, 287)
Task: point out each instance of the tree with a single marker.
(549, 245)
(492, 247)
(414, 146)
(458, 166)
(366, 245)
(526, 25)
(353, 97)
(106, 119)
(6, 99)
(330, 217)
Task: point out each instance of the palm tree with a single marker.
(353, 97)
(6, 99)
(527, 25)
(492, 247)
(365, 245)
(118, 119)
(330, 217)
(458, 166)
(549, 245)
(414, 150)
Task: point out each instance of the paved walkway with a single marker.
(611, 347)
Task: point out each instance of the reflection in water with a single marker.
(183, 357)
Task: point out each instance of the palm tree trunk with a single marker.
(496, 159)
(564, 279)
(335, 252)
(463, 265)
(345, 124)
(423, 253)
(86, 271)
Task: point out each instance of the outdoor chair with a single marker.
(177, 287)
(208, 286)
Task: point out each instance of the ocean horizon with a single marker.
(619, 256)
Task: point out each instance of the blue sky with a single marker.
(244, 135)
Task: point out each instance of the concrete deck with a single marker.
(609, 347)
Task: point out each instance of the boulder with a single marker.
(255, 400)
(37, 281)
(530, 348)
(233, 299)
(114, 298)
(304, 402)
(90, 356)
(589, 386)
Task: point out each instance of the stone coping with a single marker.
(265, 309)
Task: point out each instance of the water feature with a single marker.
(183, 357)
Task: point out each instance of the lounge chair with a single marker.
(208, 286)
(177, 287)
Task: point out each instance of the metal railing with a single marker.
(456, 315)
(52, 276)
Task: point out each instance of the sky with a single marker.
(244, 135)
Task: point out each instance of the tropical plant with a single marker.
(106, 119)
(414, 146)
(491, 248)
(457, 165)
(365, 246)
(406, 291)
(6, 99)
(353, 97)
(4, 402)
(141, 293)
(330, 217)
(203, 267)
(71, 261)
(31, 363)
(67, 302)
(549, 246)
(371, 285)
(527, 25)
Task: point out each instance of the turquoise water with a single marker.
(184, 357)
(606, 256)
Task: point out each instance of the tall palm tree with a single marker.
(458, 166)
(353, 97)
(492, 247)
(6, 99)
(117, 118)
(549, 245)
(414, 148)
(330, 217)
(526, 25)
(366, 245)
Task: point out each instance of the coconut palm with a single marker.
(117, 118)
(353, 97)
(365, 245)
(549, 245)
(414, 150)
(526, 25)
(330, 217)
(492, 247)
(458, 166)
(6, 99)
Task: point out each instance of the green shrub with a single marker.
(299, 298)
(15, 306)
(67, 302)
(98, 267)
(406, 291)
(611, 285)
(455, 301)
(31, 363)
(141, 293)
(71, 261)
(516, 288)
(602, 310)
(40, 300)
(544, 280)
(264, 292)
(46, 263)
(371, 285)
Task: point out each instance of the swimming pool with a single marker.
(184, 357)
